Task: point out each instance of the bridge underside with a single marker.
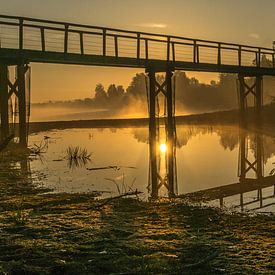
(15, 56)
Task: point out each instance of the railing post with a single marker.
(104, 43)
(259, 58)
(66, 38)
(173, 52)
(219, 54)
(21, 34)
(168, 48)
(198, 54)
(42, 32)
(138, 46)
(273, 60)
(116, 45)
(81, 43)
(195, 52)
(240, 56)
(146, 49)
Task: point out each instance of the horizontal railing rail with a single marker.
(25, 33)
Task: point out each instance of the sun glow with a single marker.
(163, 148)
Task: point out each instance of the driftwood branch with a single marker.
(106, 201)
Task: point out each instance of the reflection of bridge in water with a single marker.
(28, 40)
(250, 173)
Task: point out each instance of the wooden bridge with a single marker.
(26, 40)
(35, 40)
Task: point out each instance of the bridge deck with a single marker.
(35, 40)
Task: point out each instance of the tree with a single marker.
(112, 92)
(137, 87)
(100, 94)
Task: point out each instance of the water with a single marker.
(207, 157)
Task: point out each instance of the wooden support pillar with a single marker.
(242, 100)
(259, 155)
(153, 134)
(256, 90)
(259, 99)
(22, 104)
(4, 99)
(170, 132)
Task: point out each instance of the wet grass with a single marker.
(45, 233)
(57, 234)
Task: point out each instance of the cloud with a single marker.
(152, 25)
(254, 35)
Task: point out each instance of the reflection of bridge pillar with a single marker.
(250, 162)
(4, 99)
(246, 88)
(156, 179)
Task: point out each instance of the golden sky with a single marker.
(239, 21)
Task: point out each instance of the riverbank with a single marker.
(230, 117)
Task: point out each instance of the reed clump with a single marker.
(77, 156)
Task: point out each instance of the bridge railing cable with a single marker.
(24, 33)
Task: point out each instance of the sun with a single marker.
(163, 148)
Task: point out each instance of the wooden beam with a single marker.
(4, 99)
(22, 105)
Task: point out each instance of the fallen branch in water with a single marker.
(205, 260)
(110, 167)
(133, 193)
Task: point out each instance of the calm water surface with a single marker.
(207, 157)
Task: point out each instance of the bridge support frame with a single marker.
(250, 86)
(8, 87)
(154, 89)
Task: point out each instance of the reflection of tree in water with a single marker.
(141, 134)
(229, 136)
(268, 146)
(229, 139)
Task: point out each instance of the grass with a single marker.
(77, 157)
(76, 152)
(48, 233)
(64, 234)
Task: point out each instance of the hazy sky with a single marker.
(240, 21)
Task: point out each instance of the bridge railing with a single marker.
(50, 36)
